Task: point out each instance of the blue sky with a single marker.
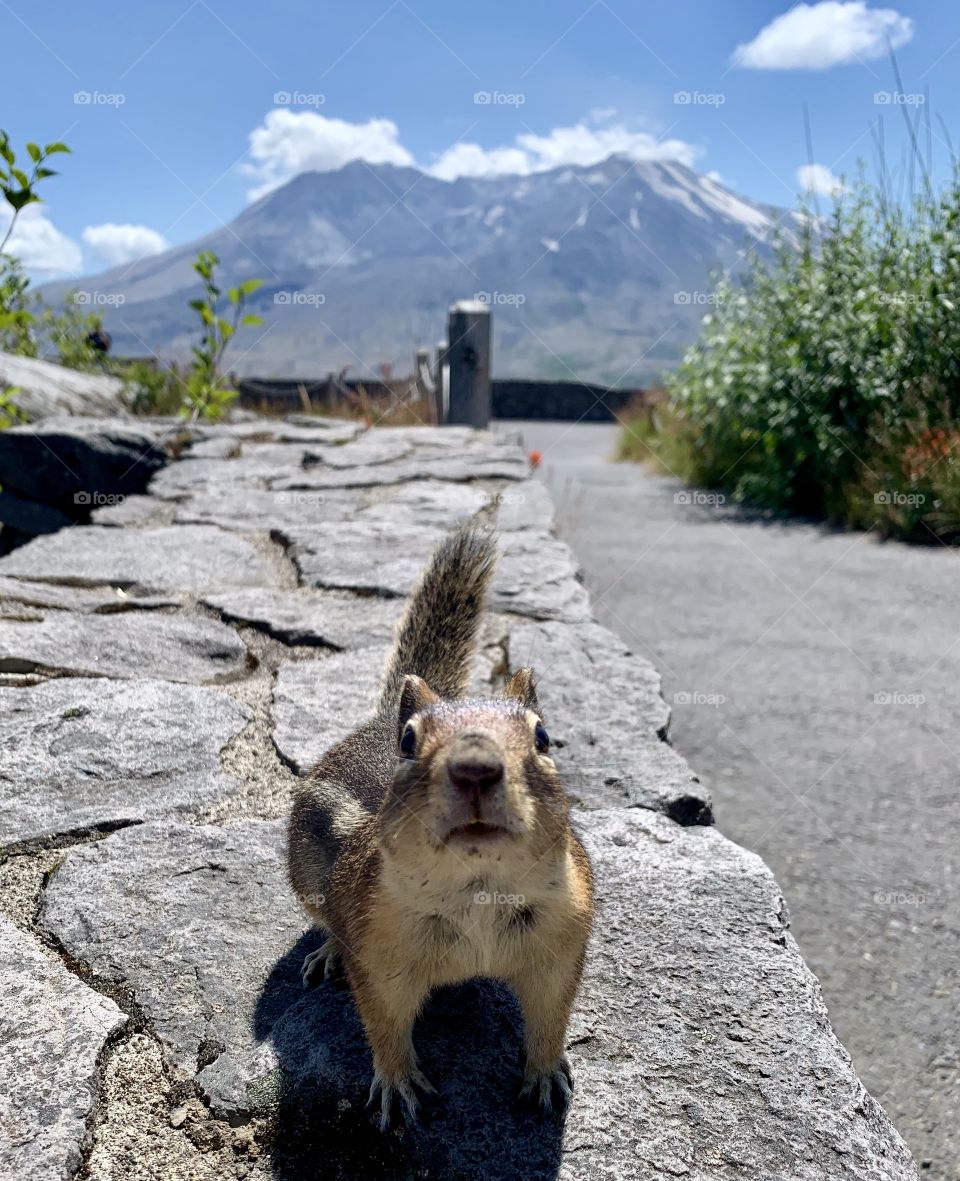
(178, 111)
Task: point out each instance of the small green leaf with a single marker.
(57, 146)
(248, 286)
(35, 153)
(252, 320)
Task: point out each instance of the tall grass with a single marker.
(826, 381)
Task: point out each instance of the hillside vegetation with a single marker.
(826, 382)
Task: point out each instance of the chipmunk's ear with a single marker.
(415, 695)
(522, 687)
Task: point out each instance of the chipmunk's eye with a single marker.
(408, 742)
(541, 738)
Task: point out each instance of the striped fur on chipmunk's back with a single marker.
(433, 844)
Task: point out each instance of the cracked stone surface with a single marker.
(318, 702)
(525, 506)
(132, 645)
(251, 509)
(338, 555)
(53, 1028)
(493, 464)
(700, 1044)
(185, 557)
(604, 711)
(312, 617)
(538, 575)
(78, 598)
(89, 753)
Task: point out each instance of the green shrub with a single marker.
(815, 373)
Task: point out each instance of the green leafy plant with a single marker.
(19, 189)
(205, 390)
(815, 373)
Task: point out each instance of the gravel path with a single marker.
(814, 682)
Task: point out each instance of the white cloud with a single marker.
(40, 246)
(831, 33)
(578, 145)
(117, 244)
(817, 178)
(289, 142)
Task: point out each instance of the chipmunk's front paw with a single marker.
(320, 964)
(550, 1088)
(391, 1092)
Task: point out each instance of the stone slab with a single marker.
(45, 389)
(132, 645)
(312, 617)
(249, 510)
(78, 598)
(700, 1044)
(85, 754)
(338, 556)
(606, 718)
(316, 703)
(538, 575)
(174, 558)
(53, 1028)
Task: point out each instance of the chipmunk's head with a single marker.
(473, 778)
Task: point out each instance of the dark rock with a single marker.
(29, 516)
(73, 464)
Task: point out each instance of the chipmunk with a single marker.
(433, 844)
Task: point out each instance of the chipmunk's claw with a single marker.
(320, 964)
(389, 1092)
(551, 1088)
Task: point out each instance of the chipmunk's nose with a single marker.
(476, 769)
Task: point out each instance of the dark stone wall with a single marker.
(565, 401)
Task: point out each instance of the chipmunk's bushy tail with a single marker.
(438, 634)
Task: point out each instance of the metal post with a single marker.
(468, 356)
(440, 377)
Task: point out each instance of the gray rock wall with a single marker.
(167, 671)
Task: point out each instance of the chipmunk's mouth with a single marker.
(477, 831)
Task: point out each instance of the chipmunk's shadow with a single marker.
(468, 1042)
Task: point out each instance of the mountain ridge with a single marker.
(597, 272)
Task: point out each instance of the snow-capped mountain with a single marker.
(600, 272)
